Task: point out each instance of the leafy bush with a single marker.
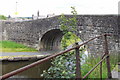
(2, 17)
(63, 66)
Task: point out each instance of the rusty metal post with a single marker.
(107, 59)
(78, 66)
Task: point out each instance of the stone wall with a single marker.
(31, 32)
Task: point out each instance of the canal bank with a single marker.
(21, 56)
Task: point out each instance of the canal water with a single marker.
(34, 72)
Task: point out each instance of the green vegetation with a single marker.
(116, 68)
(10, 46)
(68, 39)
(90, 62)
(2, 17)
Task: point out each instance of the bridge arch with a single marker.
(51, 40)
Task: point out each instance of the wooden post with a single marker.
(78, 66)
(107, 59)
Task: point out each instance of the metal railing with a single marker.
(78, 66)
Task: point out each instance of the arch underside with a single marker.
(51, 40)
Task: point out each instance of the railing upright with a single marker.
(78, 65)
(107, 59)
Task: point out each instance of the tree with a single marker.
(69, 24)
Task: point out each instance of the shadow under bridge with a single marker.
(51, 40)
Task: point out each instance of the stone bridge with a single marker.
(45, 34)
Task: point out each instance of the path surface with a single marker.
(26, 53)
(18, 56)
(116, 74)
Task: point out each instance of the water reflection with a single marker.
(34, 72)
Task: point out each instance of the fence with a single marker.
(78, 66)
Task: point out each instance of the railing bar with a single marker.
(95, 66)
(91, 40)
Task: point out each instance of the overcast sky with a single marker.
(29, 7)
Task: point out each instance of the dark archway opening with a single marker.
(51, 40)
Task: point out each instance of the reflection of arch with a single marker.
(51, 40)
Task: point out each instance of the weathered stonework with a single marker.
(44, 34)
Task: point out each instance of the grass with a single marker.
(117, 68)
(10, 46)
(91, 62)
